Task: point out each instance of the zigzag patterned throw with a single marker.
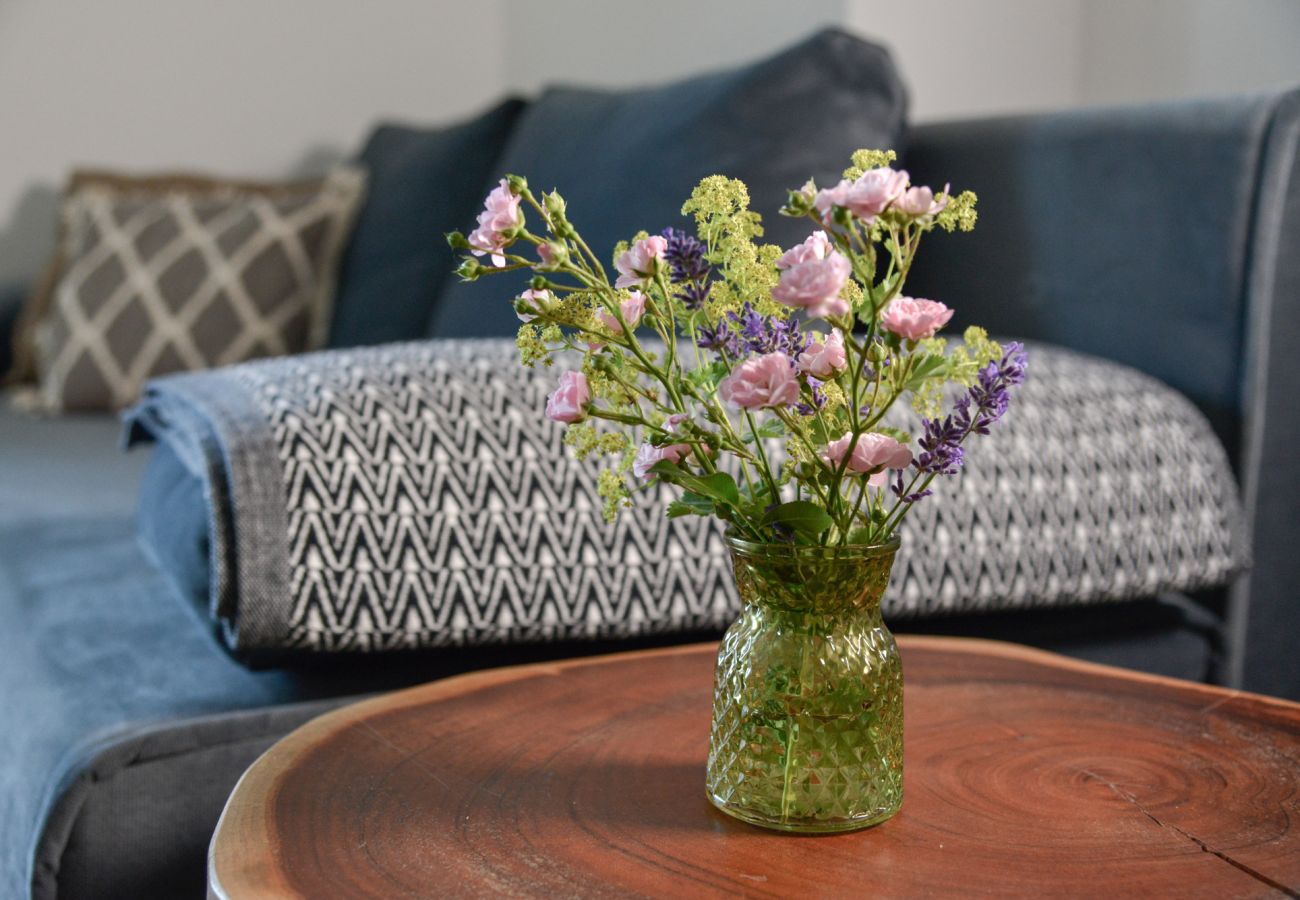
(413, 495)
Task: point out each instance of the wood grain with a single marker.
(1026, 774)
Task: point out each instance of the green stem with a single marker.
(766, 471)
(787, 787)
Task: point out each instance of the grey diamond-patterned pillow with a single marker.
(159, 282)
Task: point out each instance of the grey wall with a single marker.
(269, 88)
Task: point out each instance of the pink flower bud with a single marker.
(824, 359)
(632, 307)
(639, 263)
(551, 255)
(568, 404)
(919, 203)
(538, 300)
(816, 246)
(648, 454)
(496, 224)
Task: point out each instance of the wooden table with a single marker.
(1027, 774)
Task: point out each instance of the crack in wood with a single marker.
(1205, 848)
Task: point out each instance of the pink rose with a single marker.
(538, 300)
(648, 454)
(872, 193)
(815, 285)
(639, 263)
(764, 381)
(919, 203)
(914, 319)
(496, 223)
(816, 246)
(824, 359)
(867, 197)
(569, 402)
(632, 307)
(873, 451)
(825, 200)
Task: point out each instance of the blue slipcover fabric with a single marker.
(1164, 237)
(423, 183)
(626, 160)
(1123, 233)
(97, 798)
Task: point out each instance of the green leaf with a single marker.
(801, 515)
(707, 377)
(930, 365)
(690, 504)
(718, 486)
(772, 428)
(721, 486)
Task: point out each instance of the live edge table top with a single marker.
(1026, 774)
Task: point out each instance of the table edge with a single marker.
(248, 804)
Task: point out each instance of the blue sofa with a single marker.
(1158, 237)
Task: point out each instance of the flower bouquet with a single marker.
(756, 381)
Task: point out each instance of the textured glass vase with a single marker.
(807, 729)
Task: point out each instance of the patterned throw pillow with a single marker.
(41, 297)
(156, 281)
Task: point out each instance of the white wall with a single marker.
(258, 88)
(1161, 49)
(619, 43)
(267, 88)
(982, 57)
(966, 58)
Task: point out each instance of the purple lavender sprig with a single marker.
(719, 339)
(941, 452)
(759, 334)
(899, 488)
(817, 395)
(980, 407)
(987, 400)
(688, 267)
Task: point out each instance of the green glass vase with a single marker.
(807, 731)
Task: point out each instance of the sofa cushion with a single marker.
(626, 160)
(55, 468)
(423, 182)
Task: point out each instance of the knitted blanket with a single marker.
(413, 495)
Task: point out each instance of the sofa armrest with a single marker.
(11, 302)
(1163, 237)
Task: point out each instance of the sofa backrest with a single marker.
(423, 183)
(1121, 232)
(626, 160)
